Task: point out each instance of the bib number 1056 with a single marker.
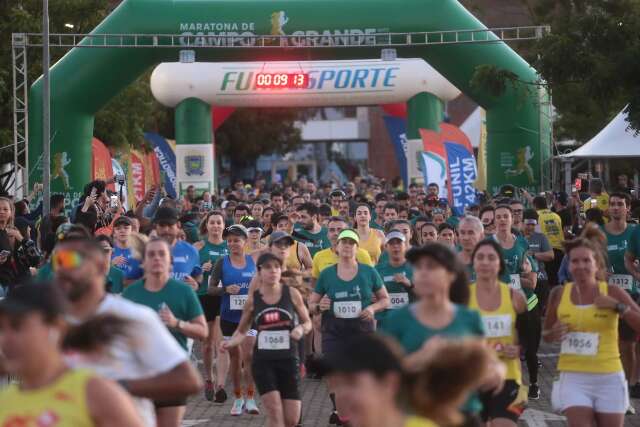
(580, 343)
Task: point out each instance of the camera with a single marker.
(119, 178)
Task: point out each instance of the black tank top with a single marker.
(274, 323)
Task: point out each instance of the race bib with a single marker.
(624, 281)
(274, 340)
(580, 343)
(237, 302)
(497, 326)
(514, 282)
(399, 300)
(347, 309)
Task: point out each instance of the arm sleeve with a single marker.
(216, 273)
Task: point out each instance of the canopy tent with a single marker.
(614, 141)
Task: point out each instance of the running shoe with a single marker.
(251, 408)
(534, 392)
(238, 406)
(631, 410)
(221, 395)
(334, 419)
(208, 390)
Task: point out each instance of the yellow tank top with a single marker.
(500, 326)
(372, 245)
(63, 403)
(293, 262)
(592, 344)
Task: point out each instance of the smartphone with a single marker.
(113, 201)
(5, 254)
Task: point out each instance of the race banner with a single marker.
(462, 175)
(167, 160)
(397, 128)
(137, 175)
(434, 160)
(101, 167)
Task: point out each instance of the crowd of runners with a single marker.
(413, 315)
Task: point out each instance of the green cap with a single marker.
(349, 233)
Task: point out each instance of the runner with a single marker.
(185, 258)
(343, 295)
(447, 235)
(540, 251)
(274, 308)
(115, 277)
(298, 256)
(309, 231)
(149, 363)
(210, 250)
(396, 274)
(370, 239)
(442, 290)
(552, 227)
(255, 232)
(519, 274)
(429, 232)
(122, 255)
(498, 305)
(178, 308)
(470, 232)
(583, 315)
(487, 216)
(618, 234)
(32, 326)
(435, 388)
(235, 272)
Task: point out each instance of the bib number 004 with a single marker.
(347, 309)
(398, 300)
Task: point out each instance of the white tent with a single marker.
(615, 140)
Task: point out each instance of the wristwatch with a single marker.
(179, 325)
(620, 308)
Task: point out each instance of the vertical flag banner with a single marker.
(397, 128)
(434, 160)
(462, 174)
(101, 165)
(167, 160)
(137, 175)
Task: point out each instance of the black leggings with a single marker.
(529, 326)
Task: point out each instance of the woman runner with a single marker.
(273, 309)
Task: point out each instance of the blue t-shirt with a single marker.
(131, 269)
(231, 306)
(186, 261)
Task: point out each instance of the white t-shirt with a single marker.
(149, 350)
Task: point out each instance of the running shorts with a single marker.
(210, 306)
(281, 375)
(228, 328)
(604, 393)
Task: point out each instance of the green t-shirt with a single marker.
(398, 293)
(617, 246)
(210, 252)
(178, 296)
(411, 334)
(634, 243)
(453, 221)
(115, 280)
(314, 241)
(373, 224)
(45, 273)
(361, 288)
(513, 259)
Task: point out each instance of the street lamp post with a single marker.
(46, 113)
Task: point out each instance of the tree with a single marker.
(589, 62)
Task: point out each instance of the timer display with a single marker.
(282, 81)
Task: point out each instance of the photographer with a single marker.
(95, 210)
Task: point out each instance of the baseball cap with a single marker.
(394, 234)
(507, 190)
(349, 233)
(337, 193)
(562, 197)
(122, 220)
(236, 230)
(277, 236)
(443, 202)
(166, 215)
(363, 353)
(43, 297)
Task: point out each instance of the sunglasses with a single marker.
(66, 259)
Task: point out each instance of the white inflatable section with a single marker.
(331, 83)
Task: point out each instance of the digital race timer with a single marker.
(282, 81)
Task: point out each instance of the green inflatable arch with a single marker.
(85, 79)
